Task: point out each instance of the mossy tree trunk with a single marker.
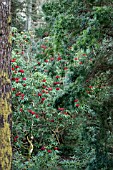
(5, 86)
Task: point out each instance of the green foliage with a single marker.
(66, 99)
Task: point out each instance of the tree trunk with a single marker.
(5, 86)
(29, 15)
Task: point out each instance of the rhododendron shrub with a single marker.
(34, 91)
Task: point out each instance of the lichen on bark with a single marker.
(5, 87)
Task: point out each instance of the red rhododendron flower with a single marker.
(44, 80)
(76, 100)
(75, 58)
(57, 77)
(33, 113)
(21, 71)
(43, 98)
(59, 58)
(22, 52)
(15, 138)
(13, 60)
(55, 148)
(24, 78)
(52, 120)
(24, 85)
(46, 61)
(77, 105)
(66, 113)
(39, 63)
(51, 58)
(90, 87)
(43, 148)
(18, 94)
(13, 89)
(39, 94)
(43, 91)
(44, 87)
(61, 109)
(49, 151)
(84, 54)
(80, 62)
(55, 83)
(21, 109)
(12, 68)
(65, 68)
(43, 46)
(22, 95)
(17, 81)
(37, 116)
(50, 89)
(13, 78)
(30, 111)
(16, 78)
(17, 66)
(57, 88)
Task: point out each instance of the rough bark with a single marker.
(5, 86)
